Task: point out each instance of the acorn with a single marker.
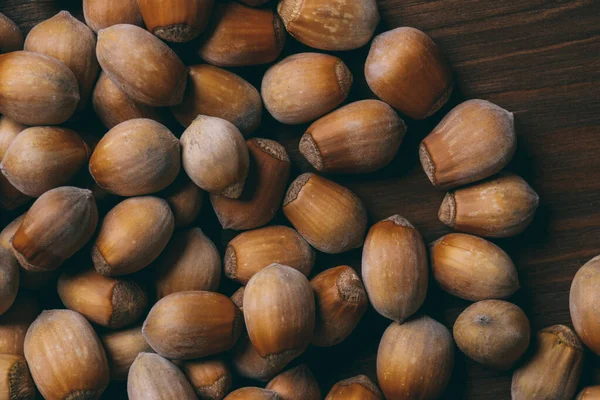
(472, 268)
(219, 93)
(394, 268)
(361, 137)
(15, 322)
(42, 158)
(141, 65)
(589, 393)
(210, 378)
(65, 356)
(190, 261)
(330, 26)
(11, 38)
(253, 393)
(407, 70)
(192, 324)
(68, 40)
(499, 207)
(554, 370)
(185, 200)
(415, 359)
(132, 235)
(152, 377)
(264, 189)
(57, 225)
(9, 279)
(305, 86)
(494, 333)
(122, 347)
(136, 157)
(100, 14)
(239, 36)
(215, 156)
(296, 384)
(15, 379)
(359, 387)
(36, 89)
(10, 197)
(330, 217)
(279, 311)
(176, 20)
(106, 301)
(583, 303)
(340, 302)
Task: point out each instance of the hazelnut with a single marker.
(361, 137)
(554, 370)
(415, 359)
(100, 14)
(583, 303)
(215, 156)
(176, 20)
(9, 231)
(132, 235)
(330, 217)
(57, 225)
(185, 200)
(16, 379)
(394, 268)
(359, 387)
(15, 322)
(305, 86)
(589, 393)
(474, 141)
(42, 158)
(238, 36)
(36, 89)
(238, 298)
(248, 363)
(253, 393)
(9, 279)
(296, 384)
(494, 333)
(194, 324)
(65, 357)
(10, 197)
(407, 70)
(152, 377)
(263, 192)
(190, 261)
(219, 93)
(502, 206)
(340, 302)
(136, 157)
(11, 38)
(141, 65)
(122, 347)
(210, 378)
(472, 268)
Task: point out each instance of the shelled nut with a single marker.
(11, 38)
(100, 14)
(122, 348)
(359, 387)
(296, 384)
(152, 377)
(583, 301)
(176, 21)
(210, 378)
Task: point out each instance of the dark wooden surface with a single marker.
(540, 60)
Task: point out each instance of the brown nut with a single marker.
(279, 311)
(248, 363)
(330, 217)
(185, 200)
(141, 65)
(589, 393)
(305, 86)
(252, 393)
(361, 137)
(239, 36)
(152, 377)
(472, 268)
(296, 384)
(68, 40)
(122, 348)
(219, 93)
(176, 20)
(340, 302)
(359, 387)
(407, 70)
(42, 158)
(57, 225)
(210, 378)
(136, 157)
(263, 192)
(65, 356)
(415, 359)
(132, 235)
(238, 298)
(190, 261)
(9, 231)
(394, 268)
(15, 322)
(215, 156)
(474, 141)
(100, 14)
(499, 207)
(331, 26)
(583, 303)
(494, 333)
(554, 370)
(15, 379)
(193, 324)
(9, 279)
(36, 89)
(10, 197)
(11, 38)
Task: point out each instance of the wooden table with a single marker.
(538, 59)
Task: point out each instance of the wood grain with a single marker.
(538, 59)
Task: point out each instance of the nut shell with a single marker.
(122, 348)
(8, 232)
(583, 301)
(11, 38)
(9, 279)
(297, 383)
(252, 393)
(15, 322)
(248, 363)
(210, 378)
(185, 200)
(589, 393)
(175, 20)
(152, 377)
(10, 197)
(100, 14)
(359, 387)
(15, 379)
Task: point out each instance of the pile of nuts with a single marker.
(194, 341)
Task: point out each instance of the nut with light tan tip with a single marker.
(359, 387)
(297, 383)
(100, 14)
(15, 379)
(210, 378)
(11, 38)
(122, 347)
(152, 377)
(176, 21)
